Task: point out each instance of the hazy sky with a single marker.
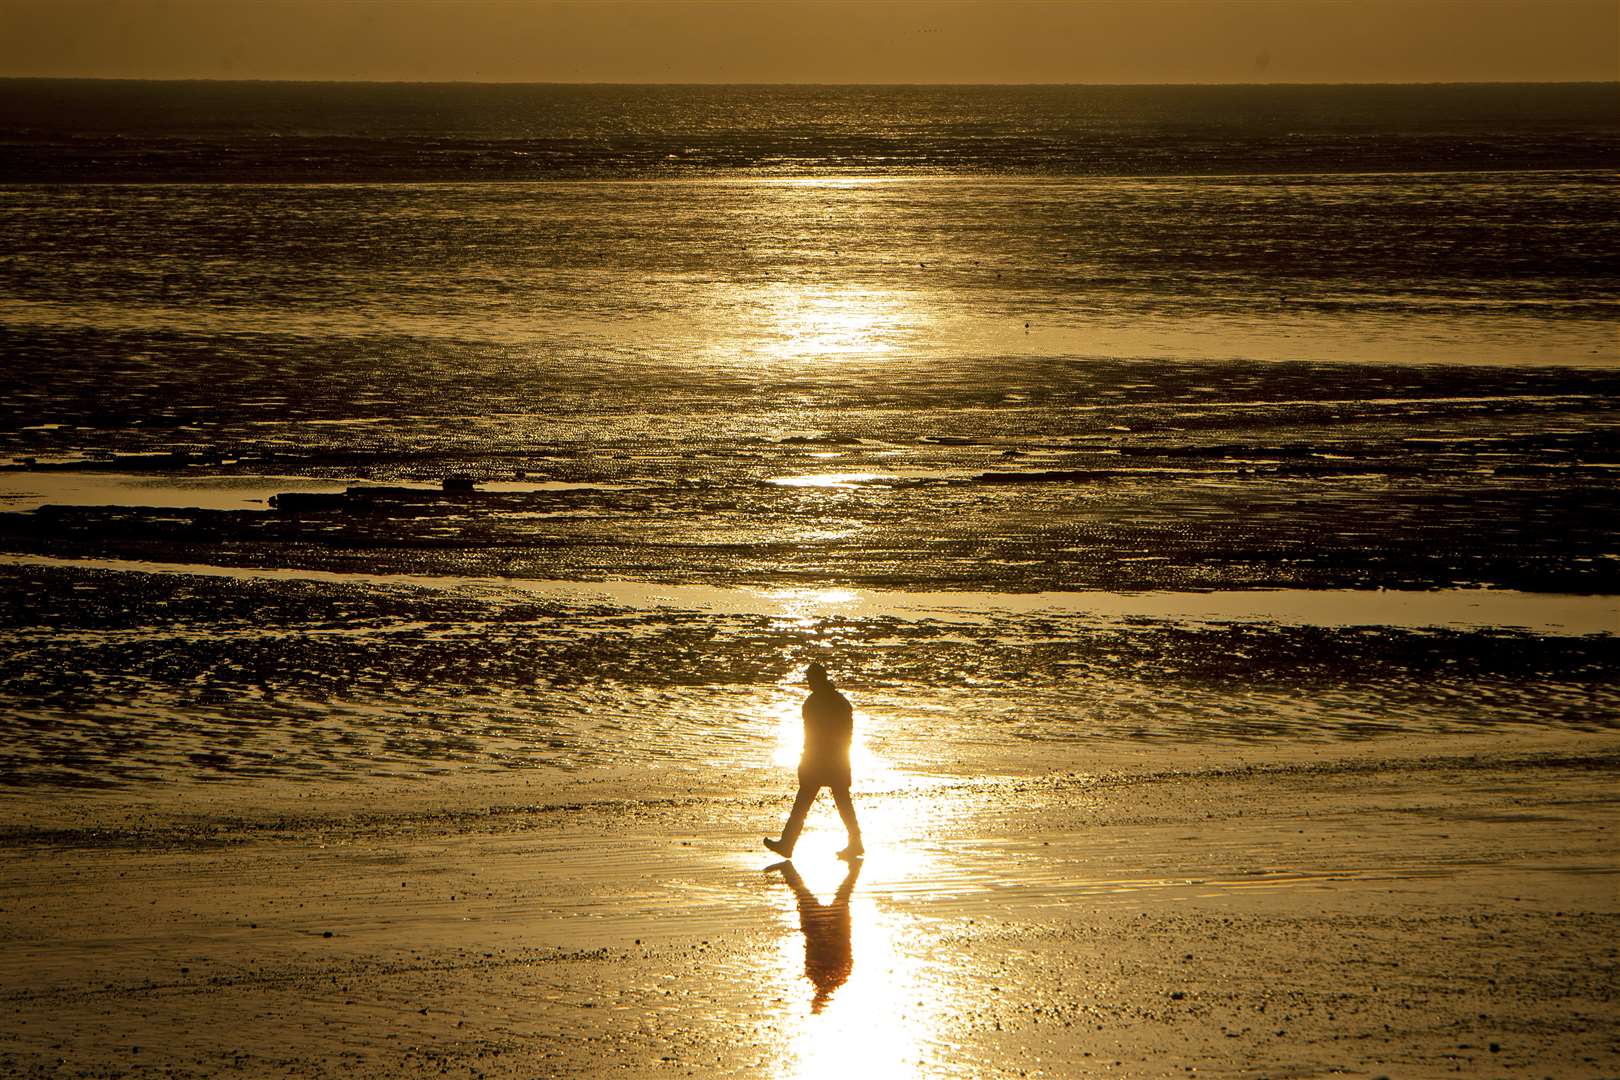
(809, 41)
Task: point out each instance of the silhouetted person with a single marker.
(829, 726)
(828, 956)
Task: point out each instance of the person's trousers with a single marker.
(808, 790)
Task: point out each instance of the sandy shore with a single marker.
(1401, 911)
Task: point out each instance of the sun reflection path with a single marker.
(810, 603)
(860, 983)
(833, 323)
(861, 994)
(845, 481)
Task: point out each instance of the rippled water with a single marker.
(791, 341)
(66, 129)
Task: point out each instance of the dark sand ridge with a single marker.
(1380, 910)
(172, 682)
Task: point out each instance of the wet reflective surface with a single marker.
(122, 674)
(875, 1001)
(408, 586)
(1053, 924)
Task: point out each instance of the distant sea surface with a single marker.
(255, 131)
(826, 348)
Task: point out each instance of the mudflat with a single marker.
(407, 589)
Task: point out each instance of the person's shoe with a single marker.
(854, 851)
(779, 847)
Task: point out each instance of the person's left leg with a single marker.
(795, 822)
(846, 811)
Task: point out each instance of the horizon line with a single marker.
(931, 85)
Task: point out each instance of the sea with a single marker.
(365, 433)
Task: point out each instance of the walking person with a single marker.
(829, 726)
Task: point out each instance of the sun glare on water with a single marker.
(828, 480)
(832, 323)
(868, 768)
(856, 979)
(859, 999)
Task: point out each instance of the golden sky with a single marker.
(877, 41)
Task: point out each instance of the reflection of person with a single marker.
(828, 956)
(829, 726)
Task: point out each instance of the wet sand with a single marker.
(978, 473)
(1394, 908)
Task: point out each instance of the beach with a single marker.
(421, 505)
(1397, 911)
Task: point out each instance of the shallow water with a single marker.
(1549, 614)
(1040, 417)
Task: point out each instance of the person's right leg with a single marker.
(846, 811)
(795, 821)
